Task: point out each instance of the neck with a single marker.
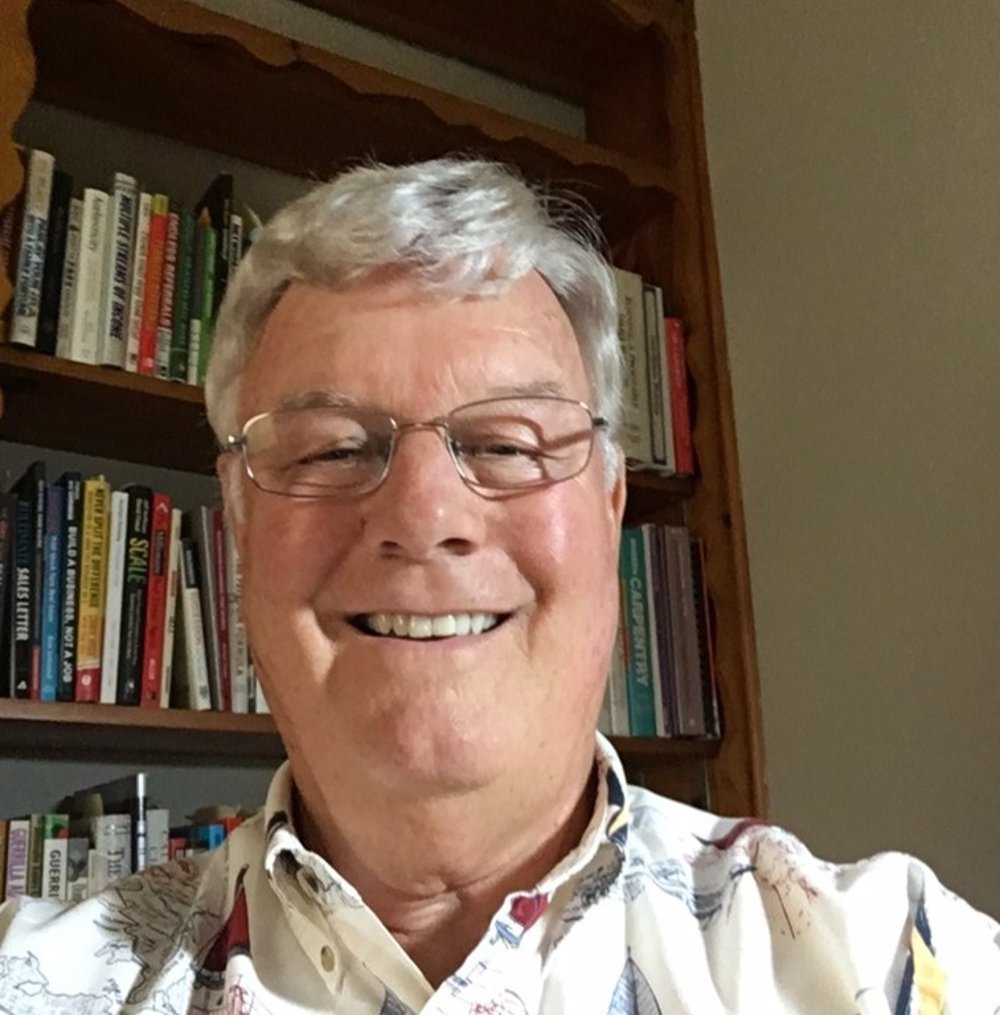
(437, 877)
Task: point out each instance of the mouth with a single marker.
(426, 627)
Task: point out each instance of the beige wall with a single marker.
(854, 152)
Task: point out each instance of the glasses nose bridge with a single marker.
(439, 426)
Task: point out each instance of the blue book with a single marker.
(638, 644)
(52, 592)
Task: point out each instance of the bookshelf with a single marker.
(202, 79)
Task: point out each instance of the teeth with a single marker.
(419, 626)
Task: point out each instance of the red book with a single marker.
(679, 408)
(155, 257)
(222, 607)
(156, 602)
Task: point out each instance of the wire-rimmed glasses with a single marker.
(343, 451)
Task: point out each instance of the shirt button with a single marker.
(326, 958)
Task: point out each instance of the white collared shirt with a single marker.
(661, 908)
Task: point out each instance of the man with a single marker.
(416, 384)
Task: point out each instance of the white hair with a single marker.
(462, 226)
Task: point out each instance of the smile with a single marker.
(422, 626)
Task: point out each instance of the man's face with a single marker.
(451, 713)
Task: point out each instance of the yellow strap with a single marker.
(928, 977)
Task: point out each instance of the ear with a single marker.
(618, 493)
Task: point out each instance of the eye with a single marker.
(496, 448)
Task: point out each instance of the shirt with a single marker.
(661, 908)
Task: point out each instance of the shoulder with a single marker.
(128, 942)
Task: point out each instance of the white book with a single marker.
(84, 340)
(55, 857)
(157, 835)
(118, 529)
(117, 270)
(31, 255)
(71, 264)
(191, 678)
(235, 252)
(77, 852)
(137, 289)
(635, 386)
(260, 705)
(661, 422)
(110, 855)
(238, 660)
(168, 285)
(170, 608)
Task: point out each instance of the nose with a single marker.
(424, 510)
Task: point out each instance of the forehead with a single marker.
(391, 343)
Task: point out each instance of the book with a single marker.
(238, 660)
(658, 379)
(706, 650)
(216, 208)
(77, 855)
(72, 484)
(207, 308)
(118, 270)
(70, 269)
(661, 670)
(638, 673)
(18, 841)
(31, 248)
(53, 560)
(170, 626)
(178, 370)
(617, 690)
(28, 580)
(202, 254)
(156, 600)
(88, 291)
(93, 575)
(136, 584)
(110, 855)
(55, 850)
(687, 669)
(680, 409)
(137, 289)
(221, 604)
(36, 845)
(8, 521)
(55, 256)
(3, 857)
(114, 595)
(192, 680)
(635, 428)
(157, 835)
(155, 256)
(203, 532)
(165, 319)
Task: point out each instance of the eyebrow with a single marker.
(336, 399)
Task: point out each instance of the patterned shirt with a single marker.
(661, 908)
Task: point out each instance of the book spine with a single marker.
(18, 843)
(642, 710)
(635, 387)
(157, 836)
(36, 846)
(111, 856)
(3, 858)
(93, 573)
(156, 601)
(114, 595)
(690, 705)
(192, 670)
(165, 321)
(22, 596)
(170, 611)
(155, 254)
(8, 522)
(55, 256)
(706, 650)
(237, 629)
(617, 689)
(70, 271)
(118, 268)
(52, 587)
(654, 379)
(649, 549)
(140, 248)
(136, 583)
(182, 297)
(72, 483)
(222, 607)
(680, 409)
(208, 305)
(30, 550)
(85, 339)
(55, 849)
(31, 257)
(204, 530)
(77, 851)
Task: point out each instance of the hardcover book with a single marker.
(31, 248)
(55, 256)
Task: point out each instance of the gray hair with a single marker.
(462, 226)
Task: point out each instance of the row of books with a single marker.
(120, 277)
(662, 680)
(98, 835)
(656, 410)
(117, 596)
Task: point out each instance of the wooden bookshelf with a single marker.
(203, 79)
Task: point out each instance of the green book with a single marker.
(177, 370)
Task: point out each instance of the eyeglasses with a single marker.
(498, 444)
